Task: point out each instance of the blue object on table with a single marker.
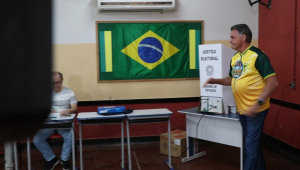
(111, 109)
(127, 111)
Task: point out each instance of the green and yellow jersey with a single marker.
(248, 72)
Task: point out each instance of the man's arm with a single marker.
(224, 81)
(73, 109)
(271, 84)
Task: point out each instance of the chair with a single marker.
(54, 137)
(57, 136)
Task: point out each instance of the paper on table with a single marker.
(54, 115)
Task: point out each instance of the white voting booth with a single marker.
(214, 62)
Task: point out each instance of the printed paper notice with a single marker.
(176, 141)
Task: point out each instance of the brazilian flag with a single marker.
(133, 51)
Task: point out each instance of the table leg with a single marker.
(80, 146)
(28, 154)
(242, 154)
(190, 147)
(122, 145)
(16, 157)
(128, 145)
(192, 155)
(169, 144)
(187, 144)
(73, 146)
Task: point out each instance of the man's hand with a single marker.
(64, 112)
(253, 111)
(208, 81)
(53, 111)
(224, 81)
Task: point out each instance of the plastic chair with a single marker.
(57, 136)
(53, 137)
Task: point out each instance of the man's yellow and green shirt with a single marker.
(249, 72)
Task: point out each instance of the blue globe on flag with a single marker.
(150, 50)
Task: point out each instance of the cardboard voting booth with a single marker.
(214, 62)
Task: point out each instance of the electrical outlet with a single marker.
(293, 85)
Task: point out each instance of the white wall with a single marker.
(75, 50)
(74, 20)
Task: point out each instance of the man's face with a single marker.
(56, 82)
(236, 40)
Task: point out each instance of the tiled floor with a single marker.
(218, 157)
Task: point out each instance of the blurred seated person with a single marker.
(63, 102)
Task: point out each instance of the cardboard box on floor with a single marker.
(178, 143)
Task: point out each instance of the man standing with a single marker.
(252, 80)
(63, 102)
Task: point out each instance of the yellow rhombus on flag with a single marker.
(132, 50)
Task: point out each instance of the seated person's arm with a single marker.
(73, 109)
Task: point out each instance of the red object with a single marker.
(1, 150)
(177, 131)
(55, 136)
(179, 136)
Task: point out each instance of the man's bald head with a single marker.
(57, 80)
(55, 73)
